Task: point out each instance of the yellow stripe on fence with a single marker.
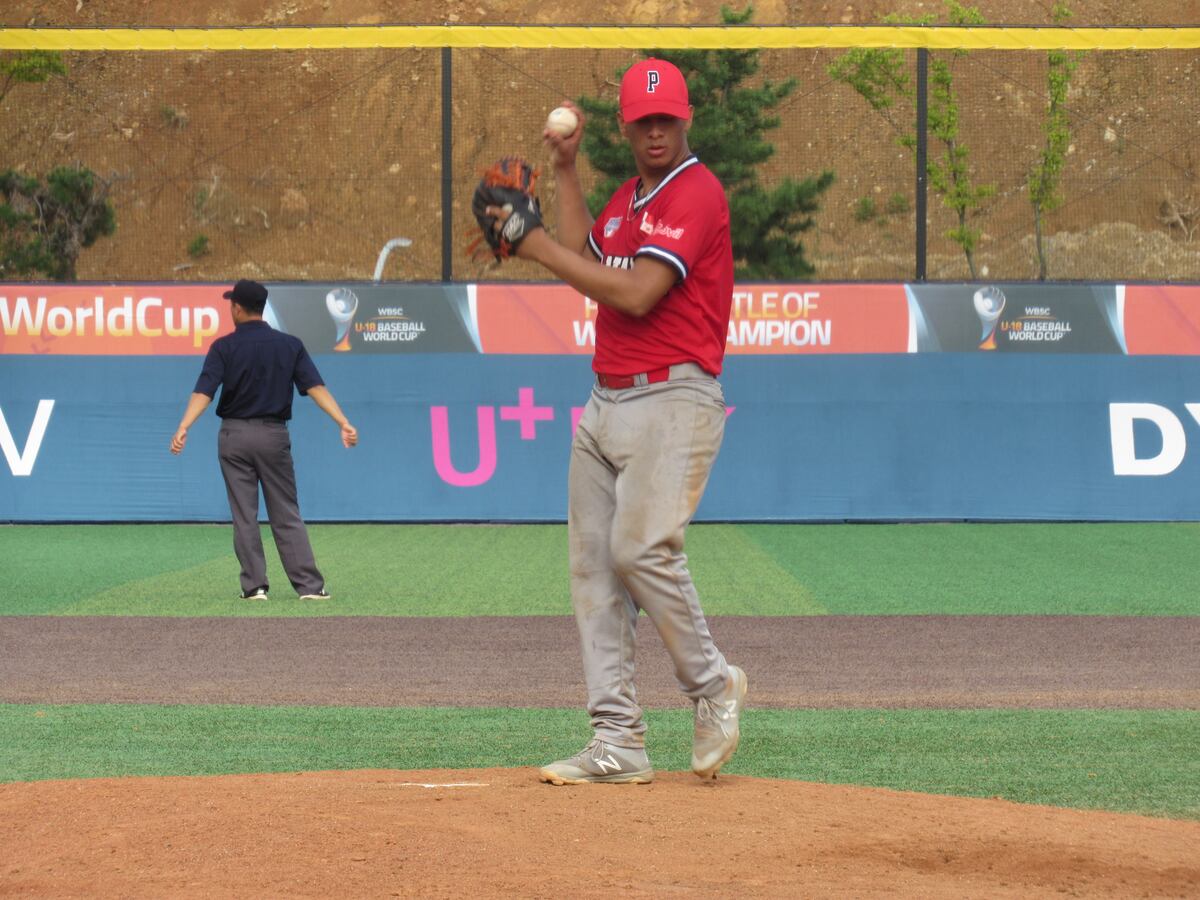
(600, 37)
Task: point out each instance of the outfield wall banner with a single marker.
(111, 320)
(765, 319)
(552, 319)
(847, 402)
(1162, 319)
(461, 437)
(376, 318)
(1022, 318)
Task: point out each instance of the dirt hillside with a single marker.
(301, 165)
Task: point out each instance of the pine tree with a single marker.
(727, 135)
(45, 226)
(31, 67)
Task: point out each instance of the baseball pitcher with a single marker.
(659, 262)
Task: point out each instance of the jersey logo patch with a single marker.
(611, 226)
(647, 226)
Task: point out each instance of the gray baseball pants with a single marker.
(639, 464)
(254, 451)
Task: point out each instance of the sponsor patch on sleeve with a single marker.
(661, 229)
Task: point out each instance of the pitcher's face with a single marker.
(659, 142)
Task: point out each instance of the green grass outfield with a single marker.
(1131, 761)
(1141, 761)
(1143, 569)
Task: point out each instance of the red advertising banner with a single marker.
(111, 320)
(534, 318)
(818, 318)
(765, 319)
(1162, 319)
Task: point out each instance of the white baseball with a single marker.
(562, 121)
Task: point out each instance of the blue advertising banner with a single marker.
(1024, 318)
(476, 437)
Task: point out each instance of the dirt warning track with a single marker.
(825, 662)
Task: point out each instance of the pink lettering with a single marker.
(439, 419)
(526, 413)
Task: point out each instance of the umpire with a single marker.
(255, 367)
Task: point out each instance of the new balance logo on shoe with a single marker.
(606, 762)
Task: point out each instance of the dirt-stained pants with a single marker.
(639, 464)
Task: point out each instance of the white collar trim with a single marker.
(690, 161)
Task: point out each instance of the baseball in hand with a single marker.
(562, 121)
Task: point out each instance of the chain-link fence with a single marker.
(304, 164)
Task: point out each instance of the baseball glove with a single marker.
(509, 185)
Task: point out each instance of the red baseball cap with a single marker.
(654, 86)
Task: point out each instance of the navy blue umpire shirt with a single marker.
(257, 365)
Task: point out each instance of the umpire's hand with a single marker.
(197, 404)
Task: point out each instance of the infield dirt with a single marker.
(502, 833)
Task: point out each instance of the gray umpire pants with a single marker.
(640, 461)
(259, 451)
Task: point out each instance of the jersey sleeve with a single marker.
(603, 225)
(680, 230)
(609, 220)
(595, 238)
(212, 373)
(305, 374)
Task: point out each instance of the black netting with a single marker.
(299, 165)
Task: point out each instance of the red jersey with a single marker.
(684, 223)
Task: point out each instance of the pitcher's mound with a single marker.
(503, 833)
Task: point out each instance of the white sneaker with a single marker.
(717, 733)
(601, 763)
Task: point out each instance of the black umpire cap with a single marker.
(249, 295)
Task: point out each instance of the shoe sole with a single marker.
(630, 778)
(315, 597)
(711, 771)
